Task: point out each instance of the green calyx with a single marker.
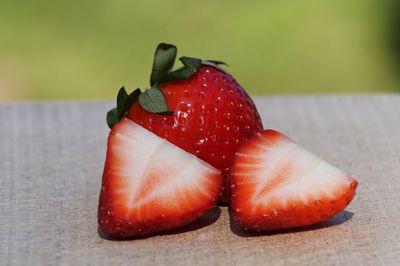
(152, 99)
(124, 103)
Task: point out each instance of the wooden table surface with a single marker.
(51, 160)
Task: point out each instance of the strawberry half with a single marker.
(150, 185)
(277, 184)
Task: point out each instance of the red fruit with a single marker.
(198, 107)
(213, 116)
(150, 185)
(277, 184)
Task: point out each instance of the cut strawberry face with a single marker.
(277, 184)
(150, 185)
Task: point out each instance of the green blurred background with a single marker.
(88, 49)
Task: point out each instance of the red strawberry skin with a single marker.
(277, 184)
(213, 116)
(149, 185)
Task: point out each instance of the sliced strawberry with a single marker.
(150, 185)
(277, 184)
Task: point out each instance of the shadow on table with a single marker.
(339, 218)
(207, 219)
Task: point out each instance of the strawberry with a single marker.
(277, 184)
(199, 107)
(150, 185)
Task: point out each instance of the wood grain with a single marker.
(51, 160)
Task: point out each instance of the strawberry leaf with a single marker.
(124, 104)
(122, 98)
(190, 62)
(153, 101)
(190, 67)
(125, 101)
(215, 62)
(132, 98)
(164, 59)
(112, 118)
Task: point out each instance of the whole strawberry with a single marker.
(198, 107)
